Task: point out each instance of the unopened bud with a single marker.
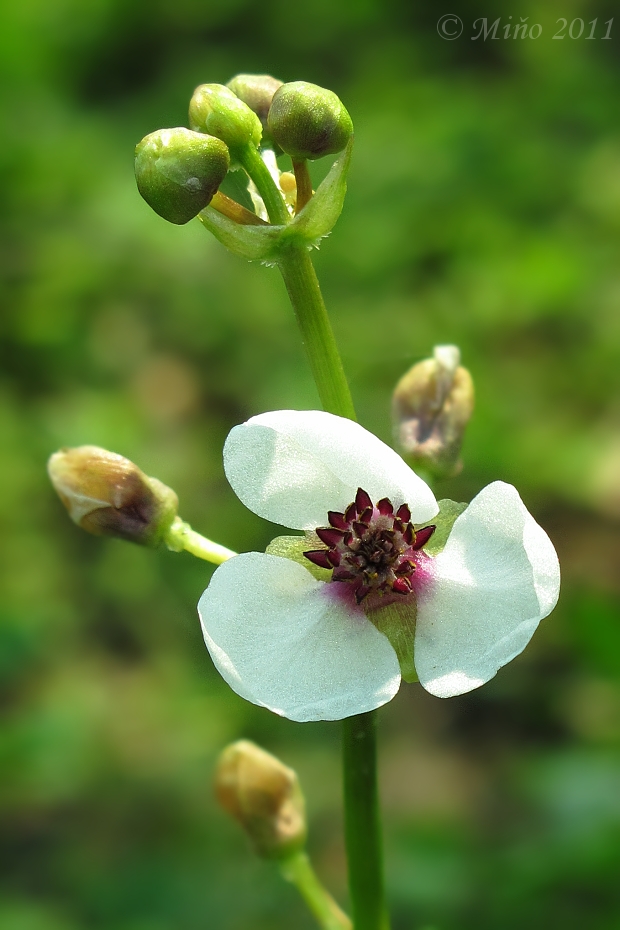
(264, 795)
(217, 110)
(308, 121)
(108, 495)
(432, 404)
(256, 90)
(178, 172)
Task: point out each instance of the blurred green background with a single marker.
(483, 209)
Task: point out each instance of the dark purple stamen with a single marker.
(319, 557)
(371, 548)
(329, 535)
(423, 536)
(401, 586)
(385, 507)
(334, 557)
(362, 500)
(337, 520)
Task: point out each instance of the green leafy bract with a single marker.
(444, 521)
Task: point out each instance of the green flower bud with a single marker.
(108, 495)
(432, 405)
(216, 110)
(264, 795)
(256, 90)
(308, 121)
(179, 171)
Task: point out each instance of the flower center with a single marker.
(370, 547)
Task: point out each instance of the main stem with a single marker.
(316, 331)
(361, 805)
(362, 822)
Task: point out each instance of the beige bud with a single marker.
(256, 90)
(264, 795)
(108, 495)
(431, 407)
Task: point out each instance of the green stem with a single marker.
(316, 331)
(181, 537)
(250, 158)
(298, 870)
(362, 822)
(304, 183)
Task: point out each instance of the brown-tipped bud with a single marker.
(432, 404)
(264, 795)
(108, 495)
(308, 121)
(256, 91)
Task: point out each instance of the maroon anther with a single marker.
(362, 500)
(401, 586)
(385, 507)
(337, 520)
(422, 536)
(370, 547)
(319, 557)
(334, 557)
(329, 535)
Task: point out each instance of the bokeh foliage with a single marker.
(483, 209)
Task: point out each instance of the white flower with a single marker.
(312, 649)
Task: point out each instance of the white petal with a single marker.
(497, 577)
(292, 466)
(281, 639)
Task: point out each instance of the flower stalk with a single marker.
(182, 538)
(304, 183)
(235, 211)
(251, 160)
(297, 869)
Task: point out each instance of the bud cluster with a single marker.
(179, 171)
